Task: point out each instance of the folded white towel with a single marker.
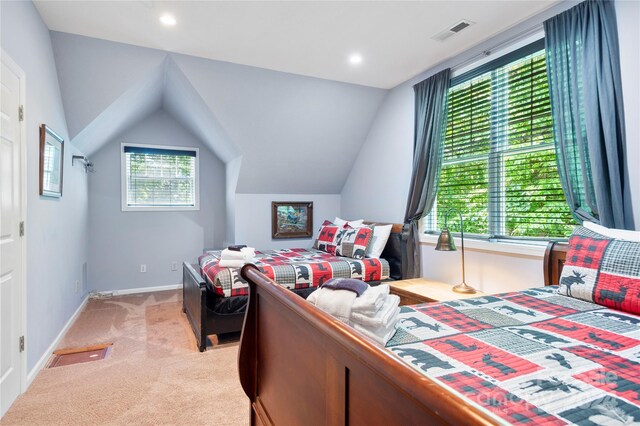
(244, 254)
(380, 335)
(233, 263)
(334, 302)
(383, 330)
(232, 255)
(371, 300)
(383, 317)
(248, 251)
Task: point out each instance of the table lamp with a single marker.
(446, 243)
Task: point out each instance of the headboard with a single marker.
(554, 258)
(392, 251)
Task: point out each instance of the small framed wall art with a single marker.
(51, 162)
(291, 219)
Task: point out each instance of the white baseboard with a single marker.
(140, 290)
(45, 357)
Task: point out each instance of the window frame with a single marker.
(124, 180)
(496, 213)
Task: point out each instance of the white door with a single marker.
(11, 279)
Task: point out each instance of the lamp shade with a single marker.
(445, 241)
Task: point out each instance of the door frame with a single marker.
(9, 62)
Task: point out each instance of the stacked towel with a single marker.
(387, 314)
(244, 253)
(371, 300)
(374, 312)
(235, 258)
(381, 326)
(334, 302)
(380, 336)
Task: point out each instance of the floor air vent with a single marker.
(64, 357)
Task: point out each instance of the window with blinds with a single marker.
(499, 163)
(159, 178)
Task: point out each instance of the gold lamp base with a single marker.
(464, 288)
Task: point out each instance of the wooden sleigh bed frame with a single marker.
(300, 366)
(198, 299)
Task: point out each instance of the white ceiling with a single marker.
(312, 38)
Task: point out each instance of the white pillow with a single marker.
(380, 236)
(620, 234)
(352, 223)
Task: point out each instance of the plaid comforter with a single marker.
(291, 268)
(531, 357)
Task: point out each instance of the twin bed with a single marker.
(215, 298)
(534, 357)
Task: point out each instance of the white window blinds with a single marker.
(159, 178)
(499, 163)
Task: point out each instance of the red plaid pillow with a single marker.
(328, 237)
(602, 270)
(353, 242)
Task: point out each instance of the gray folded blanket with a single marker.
(351, 284)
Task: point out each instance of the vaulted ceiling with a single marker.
(295, 134)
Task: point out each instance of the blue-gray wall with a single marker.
(279, 135)
(253, 218)
(295, 134)
(121, 241)
(56, 229)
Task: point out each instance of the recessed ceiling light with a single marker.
(355, 59)
(168, 20)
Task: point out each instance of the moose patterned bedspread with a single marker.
(291, 268)
(531, 357)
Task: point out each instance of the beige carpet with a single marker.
(154, 374)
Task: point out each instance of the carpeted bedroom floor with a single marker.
(153, 375)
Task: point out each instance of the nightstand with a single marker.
(421, 290)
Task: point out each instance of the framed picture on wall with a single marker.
(51, 162)
(291, 219)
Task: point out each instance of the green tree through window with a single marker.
(499, 163)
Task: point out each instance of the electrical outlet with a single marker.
(143, 268)
(77, 286)
(174, 266)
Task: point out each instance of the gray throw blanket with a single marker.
(351, 284)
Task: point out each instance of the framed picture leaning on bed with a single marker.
(291, 219)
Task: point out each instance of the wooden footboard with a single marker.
(298, 365)
(194, 303)
(204, 321)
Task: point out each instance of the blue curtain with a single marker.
(583, 68)
(429, 126)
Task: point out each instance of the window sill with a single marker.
(159, 209)
(534, 249)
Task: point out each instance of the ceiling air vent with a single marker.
(454, 29)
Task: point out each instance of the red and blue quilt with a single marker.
(531, 357)
(292, 268)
